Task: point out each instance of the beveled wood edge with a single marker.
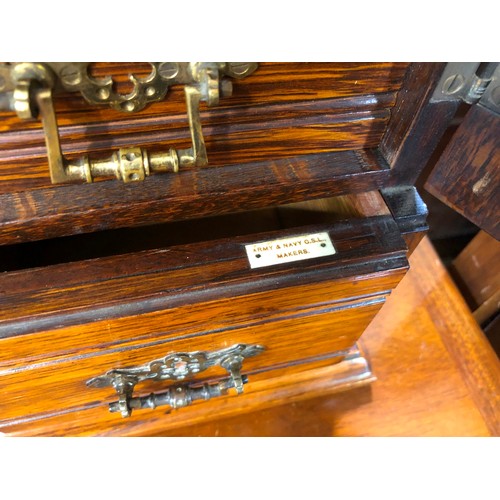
(192, 193)
(29, 143)
(409, 211)
(165, 337)
(469, 348)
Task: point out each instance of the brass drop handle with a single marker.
(127, 164)
(28, 89)
(176, 366)
(177, 396)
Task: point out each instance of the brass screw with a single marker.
(453, 84)
(128, 106)
(70, 75)
(239, 68)
(168, 70)
(103, 93)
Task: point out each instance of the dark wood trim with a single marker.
(416, 125)
(76, 209)
(409, 212)
(467, 174)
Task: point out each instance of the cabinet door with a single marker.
(467, 175)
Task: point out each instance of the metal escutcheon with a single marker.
(28, 89)
(177, 366)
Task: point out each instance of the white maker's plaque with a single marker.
(307, 246)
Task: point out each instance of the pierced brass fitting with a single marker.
(29, 88)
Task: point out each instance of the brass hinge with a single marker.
(472, 83)
(27, 89)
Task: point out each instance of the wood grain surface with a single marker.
(290, 383)
(436, 373)
(290, 132)
(66, 323)
(436, 376)
(128, 240)
(476, 361)
(416, 125)
(59, 385)
(467, 175)
(65, 294)
(64, 210)
(282, 110)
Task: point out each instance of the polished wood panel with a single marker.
(272, 83)
(24, 163)
(52, 386)
(129, 240)
(193, 273)
(282, 110)
(68, 322)
(88, 317)
(289, 383)
(473, 355)
(428, 383)
(436, 373)
(467, 177)
(287, 134)
(117, 333)
(64, 210)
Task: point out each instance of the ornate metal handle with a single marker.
(27, 88)
(176, 366)
(177, 396)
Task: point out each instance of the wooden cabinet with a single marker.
(106, 276)
(466, 176)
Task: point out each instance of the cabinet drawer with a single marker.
(66, 323)
(289, 132)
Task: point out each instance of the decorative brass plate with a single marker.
(176, 366)
(28, 88)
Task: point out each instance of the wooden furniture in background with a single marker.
(467, 174)
(477, 272)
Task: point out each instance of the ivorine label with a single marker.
(307, 246)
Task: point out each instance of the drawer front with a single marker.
(63, 325)
(289, 132)
(49, 387)
(282, 110)
(266, 389)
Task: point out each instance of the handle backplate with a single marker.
(28, 89)
(176, 366)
